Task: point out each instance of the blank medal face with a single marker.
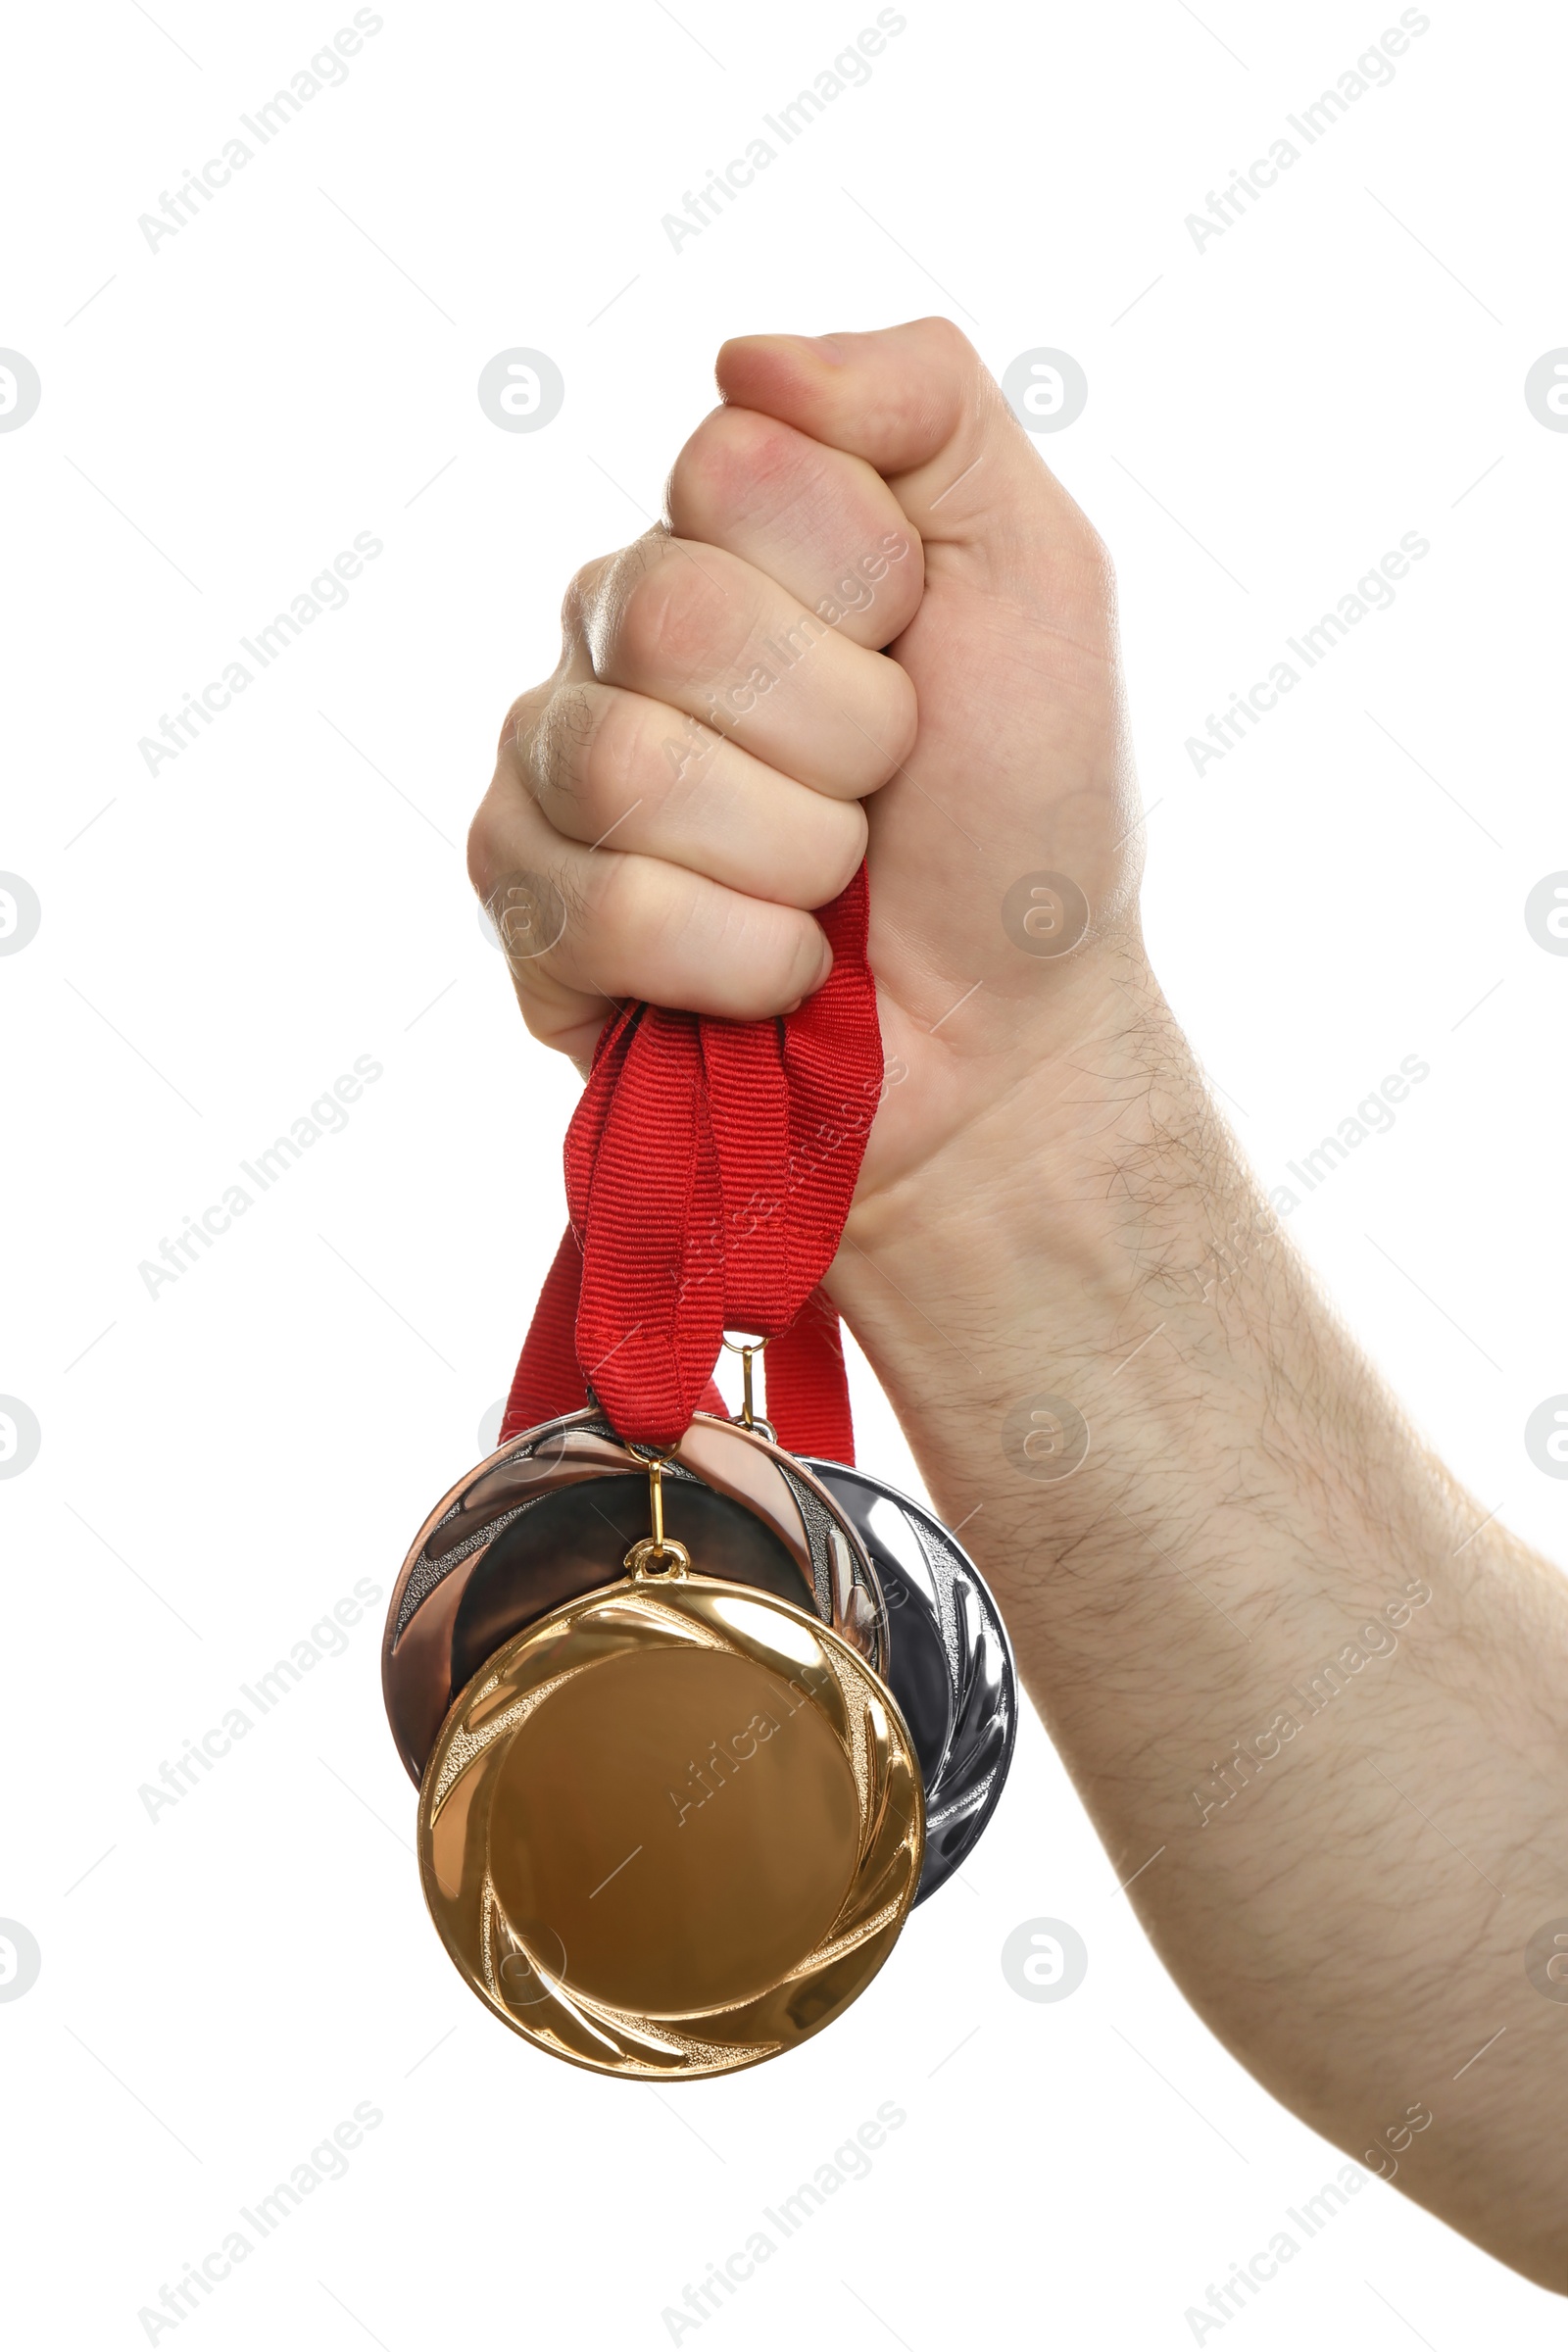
(672, 1830)
(666, 1895)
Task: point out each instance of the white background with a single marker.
(218, 941)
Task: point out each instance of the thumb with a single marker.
(917, 402)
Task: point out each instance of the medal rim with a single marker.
(998, 1623)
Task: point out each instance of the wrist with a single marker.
(1096, 1169)
(1093, 1329)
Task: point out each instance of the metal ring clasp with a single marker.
(674, 1558)
(647, 1559)
(746, 1350)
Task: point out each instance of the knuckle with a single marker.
(733, 466)
(667, 623)
(636, 906)
(484, 847)
(597, 588)
(514, 724)
(611, 755)
(518, 725)
(950, 343)
(582, 595)
(602, 755)
(531, 910)
(562, 745)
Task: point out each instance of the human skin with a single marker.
(1053, 1212)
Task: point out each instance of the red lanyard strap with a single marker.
(710, 1170)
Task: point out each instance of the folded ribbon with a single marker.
(710, 1170)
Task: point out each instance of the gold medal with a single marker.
(673, 1827)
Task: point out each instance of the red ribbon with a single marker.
(709, 1169)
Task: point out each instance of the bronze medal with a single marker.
(550, 1516)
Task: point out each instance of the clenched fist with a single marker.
(874, 624)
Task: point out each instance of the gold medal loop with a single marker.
(652, 1560)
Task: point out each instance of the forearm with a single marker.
(1258, 1618)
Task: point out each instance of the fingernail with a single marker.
(831, 354)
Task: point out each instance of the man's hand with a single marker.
(1311, 1696)
(669, 805)
(715, 723)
